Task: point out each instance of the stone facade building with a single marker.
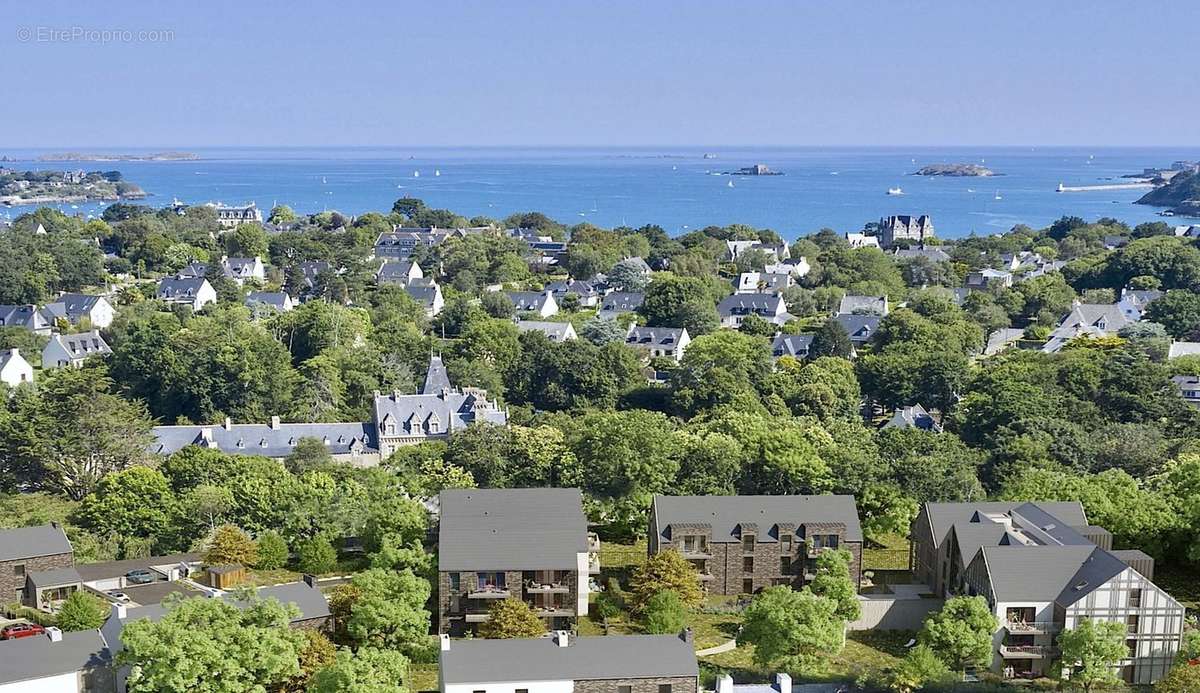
(26, 550)
(527, 544)
(742, 544)
(902, 227)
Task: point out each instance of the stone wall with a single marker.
(679, 684)
(469, 581)
(12, 586)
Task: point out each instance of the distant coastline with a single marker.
(156, 156)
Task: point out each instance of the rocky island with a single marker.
(157, 156)
(1181, 194)
(969, 170)
(51, 187)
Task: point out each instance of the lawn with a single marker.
(422, 677)
(864, 651)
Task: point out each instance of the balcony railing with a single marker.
(554, 611)
(697, 552)
(489, 592)
(546, 587)
(1027, 651)
(1031, 627)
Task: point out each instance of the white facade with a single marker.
(58, 683)
(14, 369)
(73, 349)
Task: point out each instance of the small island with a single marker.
(755, 170)
(52, 187)
(964, 170)
(157, 156)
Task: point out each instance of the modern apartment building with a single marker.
(565, 663)
(1043, 569)
(741, 544)
(529, 544)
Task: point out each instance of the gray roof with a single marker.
(1062, 574)
(913, 417)
(791, 344)
(576, 286)
(27, 316)
(55, 577)
(528, 300)
(555, 330)
(81, 345)
(852, 304)
(394, 270)
(511, 529)
(743, 304)
(584, 658)
(658, 336)
(31, 542)
(452, 410)
(623, 301)
(107, 569)
(934, 254)
(7, 355)
(263, 439)
(942, 516)
(725, 513)
(28, 659)
(425, 294)
(72, 306)
(275, 299)
(436, 377)
(240, 266)
(860, 327)
(193, 269)
(180, 286)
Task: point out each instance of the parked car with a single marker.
(118, 597)
(140, 576)
(21, 630)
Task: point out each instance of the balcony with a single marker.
(1027, 651)
(1031, 627)
(489, 592)
(554, 611)
(707, 577)
(478, 617)
(535, 587)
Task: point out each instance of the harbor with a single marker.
(1107, 186)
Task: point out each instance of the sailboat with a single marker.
(416, 174)
(895, 191)
(997, 197)
(437, 172)
(730, 184)
(323, 181)
(594, 209)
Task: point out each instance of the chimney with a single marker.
(783, 682)
(686, 635)
(274, 423)
(309, 579)
(121, 611)
(562, 638)
(445, 642)
(724, 684)
(14, 352)
(54, 633)
(228, 425)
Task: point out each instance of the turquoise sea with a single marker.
(676, 188)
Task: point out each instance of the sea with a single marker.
(679, 189)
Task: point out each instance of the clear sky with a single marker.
(600, 72)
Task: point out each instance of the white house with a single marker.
(862, 240)
(658, 341)
(189, 291)
(398, 272)
(763, 282)
(14, 369)
(73, 349)
(241, 269)
(540, 303)
(75, 308)
(262, 303)
(797, 267)
(429, 295)
(735, 308)
(554, 331)
(56, 662)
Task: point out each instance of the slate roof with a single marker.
(263, 439)
(666, 337)
(511, 529)
(436, 377)
(1088, 319)
(310, 270)
(394, 271)
(942, 516)
(107, 569)
(27, 316)
(528, 300)
(725, 513)
(179, 287)
(240, 267)
(426, 295)
(28, 659)
(852, 304)
(1062, 574)
(791, 345)
(557, 331)
(7, 355)
(913, 417)
(193, 270)
(770, 282)
(81, 345)
(31, 542)
(744, 304)
(276, 299)
(73, 307)
(934, 254)
(622, 301)
(585, 289)
(860, 327)
(55, 577)
(584, 658)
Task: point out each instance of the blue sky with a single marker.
(612, 72)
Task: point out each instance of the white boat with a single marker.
(895, 191)
(971, 190)
(437, 172)
(997, 197)
(323, 181)
(416, 174)
(730, 184)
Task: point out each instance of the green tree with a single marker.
(792, 630)
(1091, 651)
(369, 670)
(664, 613)
(247, 240)
(408, 206)
(833, 582)
(389, 611)
(308, 453)
(665, 571)
(229, 544)
(512, 618)
(316, 555)
(318, 653)
(281, 214)
(1178, 310)
(81, 611)
(919, 668)
(212, 646)
(402, 519)
(961, 632)
(136, 502)
(1182, 678)
(831, 340)
(272, 551)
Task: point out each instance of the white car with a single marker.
(119, 597)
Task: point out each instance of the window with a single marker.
(624, 689)
(1131, 623)
(19, 570)
(785, 544)
(748, 564)
(785, 565)
(748, 586)
(521, 690)
(831, 541)
(455, 581)
(664, 688)
(1135, 598)
(1131, 645)
(747, 542)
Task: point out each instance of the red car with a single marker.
(21, 630)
